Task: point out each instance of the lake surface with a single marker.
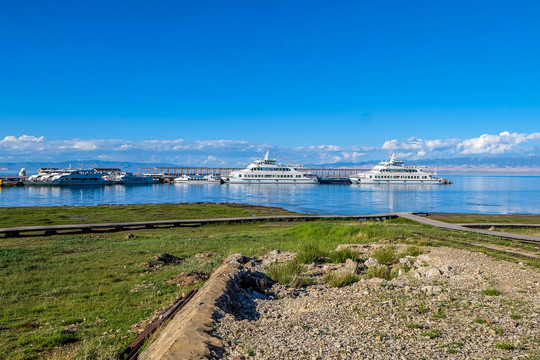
(470, 194)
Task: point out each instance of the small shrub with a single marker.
(515, 317)
(453, 347)
(341, 256)
(479, 320)
(491, 291)
(439, 314)
(498, 330)
(310, 253)
(415, 326)
(422, 308)
(385, 255)
(505, 346)
(300, 281)
(381, 271)
(432, 333)
(340, 280)
(289, 273)
(411, 250)
(250, 352)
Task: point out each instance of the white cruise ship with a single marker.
(127, 178)
(267, 171)
(78, 178)
(394, 172)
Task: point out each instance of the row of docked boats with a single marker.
(260, 171)
(86, 177)
(268, 171)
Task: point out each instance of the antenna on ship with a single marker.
(393, 156)
(266, 156)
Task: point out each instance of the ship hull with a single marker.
(398, 181)
(273, 181)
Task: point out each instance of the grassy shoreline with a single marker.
(77, 296)
(68, 215)
(463, 218)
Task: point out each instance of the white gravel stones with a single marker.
(371, 262)
(377, 319)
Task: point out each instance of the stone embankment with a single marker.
(445, 303)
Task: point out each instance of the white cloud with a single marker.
(486, 144)
(495, 144)
(22, 139)
(240, 153)
(422, 147)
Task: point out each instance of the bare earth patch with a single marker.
(453, 304)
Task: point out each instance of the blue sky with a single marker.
(314, 75)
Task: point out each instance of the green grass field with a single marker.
(485, 218)
(65, 215)
(76, 296)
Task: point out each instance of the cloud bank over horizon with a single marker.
(26, 148)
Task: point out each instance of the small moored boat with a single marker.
(198, 179)
(127, 178)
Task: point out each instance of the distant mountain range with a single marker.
(463, 163)
(525, 163)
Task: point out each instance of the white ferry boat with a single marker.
(43, 175)
(267, 171)
(394, 172)
(198, 179)
(127, 178)
(78, 178)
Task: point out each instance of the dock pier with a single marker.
(325, 176)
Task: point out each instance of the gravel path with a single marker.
(437, 311)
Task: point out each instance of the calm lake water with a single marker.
(471, 194)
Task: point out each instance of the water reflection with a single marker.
(477, 194)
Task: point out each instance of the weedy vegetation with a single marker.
(340, 256)
(77, 296)
(385, 255)
(290, 273)
(432, 333)
(380, 271)
(310, 253)
(491, 291)
(505, 346)
(340, 280)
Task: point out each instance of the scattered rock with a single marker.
(351, 267)
(428, 273)
(163, 259)
(278, 256)
(406, 261)
(371, 262)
